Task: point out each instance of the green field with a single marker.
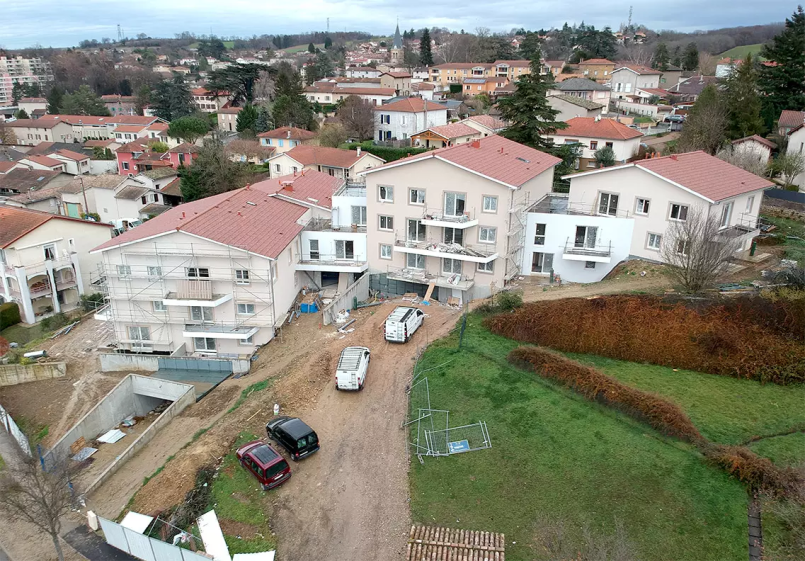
(556, 456)
(786, 450)
(302, 48)
(227, 44)
(739, 53)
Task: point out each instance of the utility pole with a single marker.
(84, 193)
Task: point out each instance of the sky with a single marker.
(62, 23)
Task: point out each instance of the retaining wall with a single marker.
(358, 289)
(119, 362)
(12, 374)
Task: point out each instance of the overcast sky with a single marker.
(61, 23)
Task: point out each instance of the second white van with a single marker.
(350, 374)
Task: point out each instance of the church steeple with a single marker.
(397, 44)
(397, 50)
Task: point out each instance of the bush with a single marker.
(661, 414)
(387, 153)
(508, 300)
(9, 315)
(54, 322)
(757, 472)
(91, 302)
(753, 338)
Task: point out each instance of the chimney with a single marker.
(289, 134)
(475, 143)
(359, 151)
(673, 157)
(183, 215)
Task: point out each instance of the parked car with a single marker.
(295, 436)
(265, 463)
(675, 119)
(350, 374)
(402, 323)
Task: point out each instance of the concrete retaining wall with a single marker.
(119, 362)
(358, 289)
(12, 374)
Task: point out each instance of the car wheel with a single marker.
(360, 386)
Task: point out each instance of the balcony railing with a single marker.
(448, 249)
(439, 214)
(194, 290)
(356, 259)
(597, 250)
(326, 225)
(559, 203)
(446, 280)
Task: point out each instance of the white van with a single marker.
(350, 374)
(402, 323)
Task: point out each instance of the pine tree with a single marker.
(743, 101)
(264, 122)
(529, 45)
(328, 42)
(425, 54)
(247, 117)
(783, 83)
(54, 100)
(661, 57)
(690, 60)
(527, 110)
(676, 60)
(311, 48)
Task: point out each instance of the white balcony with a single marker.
(437, 217)
(474, 254)
(195, 293)
(580, 251)
(331, 263)
(405, 274)
(219, 331)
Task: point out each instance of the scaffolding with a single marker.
(518, 218)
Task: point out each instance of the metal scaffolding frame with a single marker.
(518, 218)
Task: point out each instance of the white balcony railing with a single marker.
(446, 280)
(444, 249)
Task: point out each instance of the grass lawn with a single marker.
(725, 410)
(787, 450)
(22, 334)
(740, 52)
(555, 455)
(794, 248)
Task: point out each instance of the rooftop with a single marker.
(293, 133)
(453, 130)
(43, 160)
(637, 69)
(19, 221)
(308, 187)
(758, 139)
(596, 61)
(411, 105)
(580, 85)
(70, 155)
(593, 127)
(324, 156)
(159, 173)
(579, 101)
(107, 181)
(23, 180)
(790, 119)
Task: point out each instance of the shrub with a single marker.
(54, 322)
(9, 315)
(660, 413)
(91, 302)
(757, 472)
(387, 153)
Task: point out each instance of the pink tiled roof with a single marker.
(247, 218)
(6, 166)
(488, 121)
(33, 100)
(411, 105)
(595, 61)
(454, 130)
(636, 68)
(230, 110)
(310, 187)
(758, 139)
(591, 127)
(495, 157)
(19, 221)
(282, 132)
(129, 128)
(43, 160)
(710, 177)
(324, 156)
(791, 119)
(70, 155)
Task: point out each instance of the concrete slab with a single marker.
(203, 380)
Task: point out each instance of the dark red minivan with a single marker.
(265, 463)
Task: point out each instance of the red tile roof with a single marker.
(411, 105)
(70, 155)
(43, 160)
(309, 187)
(791, 119)
(397, 74)
(637, 69)
(295, 133)
(130, 128)
(463, 65)
(591, 127)
(758, 139)
(595, 61)
(100, 143)
(230, 110)
(19, 221)
(710, 177)
(453, 130)
(33, 100)
(174, 188)
(158, 127)
(489, 121)
(495, 157)
(184, 148)
(324, 156)
(247, 219)
(133, 146)
(6, 166)
(514, 63)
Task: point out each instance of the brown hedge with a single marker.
(751, 338)
(660, 413)
(757, 472)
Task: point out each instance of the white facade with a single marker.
(402, 125)
(627, 81)
(624, 149)
(796, 145)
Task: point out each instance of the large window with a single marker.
(678, 212)
(50, 252)
(200, 313)
(385, 193)
(608, 204)
(539, 237)
(487, 235)
(585, 237)
(451, 266)
(205, 344)
(242, 276)
(359, 215)
(386, 222)
(541, 262)
(198, 272)
(415, 231)
(454, 204)
(414, 261)
(726, 214)
(454, 235)
(137, 333)
(344, 249)
(245, 309)
(416, 196)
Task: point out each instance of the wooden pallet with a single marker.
(429, 293)
(448, 544)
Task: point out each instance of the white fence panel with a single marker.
(114, 534)
(165, 551)
(140, 545)
(12, 428)
(188, 555)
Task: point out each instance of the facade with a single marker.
(137, 157)
(228, 119)
(454, 217)
(796, 145)
(74, 163)
(789, 120)
(754, 146)
(456, 72)
(570, 106)
(398, 82)
(476, 86)
(616, 213)
(583, 88)
(286, 138)
(44, 260)
(362, 72)
(403, 119)
(328, 93)
(688, 90)
(598, 69)
(71, 128)
(487, 125)
(344, 164)
(31, 104)
(446, 135)
(112, 197)
(120, 104)
(628, 79)
(597, 133)
(42, 162)
(207, 101)
(21, 70)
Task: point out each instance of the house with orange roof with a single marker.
(42, 162)
(399, 82)
(598, 69)
(120, 104)
(329, 93)
(207, 101)
(344, 164)
(595, 133)
(472, 87)
(445, 135)
(402, 119)
(286, 138)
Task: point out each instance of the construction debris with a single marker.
(454, 248)
(343, 328)
(112, 436)
(65, 330)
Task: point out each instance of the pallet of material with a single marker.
(449, 544)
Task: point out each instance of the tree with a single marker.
(783, 84)
(328, 42)
(264, 122)
(706, 125)
(676, 59)
(357, 116)
(247, 118)
(39, 497)
(17, 92)
(21, 114)
(212, 47)
(332, 135)
(425, 54)
(100, 153)
(530, 116)
(142, 99)
(293, 111)
(189, 128)
(323, 66)
(690, 60)
(788, 166)
(696, 250)
(605, 157)
(211, 173)
(124, 87)
(750, 160)
(238, 80)
(7, 134)
(83, 101)
(743, 101)
(661, 57)
(172, 99)
(529, 45)
(55, 100)
(311, 48)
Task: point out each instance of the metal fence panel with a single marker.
(165, 551)
(114, 534)
(140, 545)
(188, 555)
(12, 428)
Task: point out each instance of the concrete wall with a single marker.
(359, 289)
(117, 362)
(99, 167)
(12, 374)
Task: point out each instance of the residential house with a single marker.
(553, 67)
(726, 66)
(344, 164)
(127, 133)
(112, 197)
(402, 119)
(671, 76)
(512, 70)
(250, 151)
(228, 119)
(455, 72)
(570, 106)
(796, 142)
(598, 69)
(138, 156)
(425, 90)
(583, 88)
(30, 132)
(34, 189)
(207, 101)
(327, 93)
(487, 125)
(42, 162)
(44, 260)
(69, 128)
(286, 138)
(33, 106)
(400, 82)
(754, 146)
(445, 135)
(595, 133)
(7, 166)
(452, 218)
(74, 163)
(477, 86)
(789, 120)
(688, 90)
(627, 79)
(362, 72)
(120, 104)
(346, 82)
(617, 213)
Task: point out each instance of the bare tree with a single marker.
(788, 166)
(641, 55)
(332, 135)
(697, 248)
(38, 497)
(707, 64)
(264, 87)
(358, 117)
(745, 158)
(7, 135)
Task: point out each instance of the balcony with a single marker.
(220, 331)
(40, 288)
(455, 280)
(559, 203)
(195, 293)
(745, 227)
(328, 262)
(41, 268)
(430, 248)
(599, 253)
(326, 225)
(437, 217)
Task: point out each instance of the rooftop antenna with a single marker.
(629, 25)
(119, 33)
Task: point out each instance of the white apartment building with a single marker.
(23, 70)
(628, 79)
(622, 212)
(402, 119)
(455, 217)
(44, 260)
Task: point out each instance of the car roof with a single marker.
(295, 428)
(264, 454)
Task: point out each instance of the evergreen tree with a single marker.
(661, 57)
(676, 59)
(425, 54)
(54, 100)
(706, 125)
(124, 86)
(783, 84)
(172, 99)
(142, 98)
(17, 93)
(743, 101)
(83, 101)
(189, 128)
(529, 45)
(311, 48)
(247, 117)
(21, 114)
(527, 110)
(264, 122)
(690, 60)
(328, 42)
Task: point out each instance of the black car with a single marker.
(295, 436)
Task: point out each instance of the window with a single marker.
(206, 344)
(123, 270)
(245, 309)
(158, 306)
(386, 222)
(593, 145)
(241, 276)
(282, 142)
(156, 198)
(641, 206)
(451, 266)
(139, 333)
(125, 166)
(487, 235)
(609, 145)
(750, 202)
(50, 252)
(249, 341)
(344, 249)
(585, 237)
(608, 204)
(359, 215)
(415, 231)
(143, 200)
(386, 193)
(653, 241)
(454, 204)
(486, 267)
(277, 168)
(678, 212)
(541, 262)
(385, 251)
(314, 249)
(683, 247)
(589, 264)
(416, 196)
(726, 214)
(154, 272)
(490, 203)
(414, 261)
(454, 235)
(200, 313)
(539, 237)
(198, 272)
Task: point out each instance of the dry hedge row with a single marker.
(751, 338)
(758, 472)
